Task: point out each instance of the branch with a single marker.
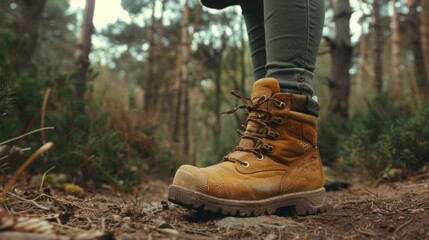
(324, 52)
(331, 42)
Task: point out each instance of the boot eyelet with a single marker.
(281, 105)
(268, 148)
(245, 164)
(274, 135)
(278, 120)
(260, 157)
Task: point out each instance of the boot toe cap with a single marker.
(191, 178)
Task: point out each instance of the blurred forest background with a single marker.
(144, 96)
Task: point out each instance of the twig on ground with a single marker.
(68, 227)
(375, 194)
(65, 201)
(26, 134)
(395, 233)
(43, 177)
(103, 225)
(367, 232)
(418, 205)
(29, 201)
(12, 181)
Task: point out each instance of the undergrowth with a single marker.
(91, 145)
(385, 137)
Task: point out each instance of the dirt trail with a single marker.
(388, 211)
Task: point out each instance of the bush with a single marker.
(385, 137)
(97, 143)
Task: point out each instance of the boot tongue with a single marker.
(267, 87)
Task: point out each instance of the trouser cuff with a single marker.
(297, 81)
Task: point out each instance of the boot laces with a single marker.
(263, 119)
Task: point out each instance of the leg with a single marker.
(293, 30)
(253, 15)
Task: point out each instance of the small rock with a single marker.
(382, 225)
(168, 231)
(160, 222)
(271, 236)
(261, 221)
(377, 210)
(116, 217)
(417, 210)
(164, 205)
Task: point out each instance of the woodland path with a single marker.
(397, 210)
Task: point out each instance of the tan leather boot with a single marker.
(276, 164)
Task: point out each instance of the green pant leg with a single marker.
(293, 30)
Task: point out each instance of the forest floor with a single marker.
(398, 210)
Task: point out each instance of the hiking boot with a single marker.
(218, 4)
(275, 165)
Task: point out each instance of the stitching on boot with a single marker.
(302, 168)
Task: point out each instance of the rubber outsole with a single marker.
(303, 203)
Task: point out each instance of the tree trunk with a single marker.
(160, 54)
(83, 48)
(243, 59)
(424, 28)
(178, 92)
(377, 47)
(341, 50)
(31, 12)
(396, 84)
(217, 129)
(362, 59)
(150, 78)
(186, 42)
(416, 44)
(184, 50)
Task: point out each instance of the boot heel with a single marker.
(311, 203)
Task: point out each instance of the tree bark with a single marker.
(396, 84)
(424, 28)
(186, 42)
(362, 53)
(150, 78)
(341, 56)
(160, 54)
(377, 47)
(416, 44)
(362, 62)
(83, 48)
(183, 84)
(218, 92)
(178, 92)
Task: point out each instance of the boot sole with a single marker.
(303, 203)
